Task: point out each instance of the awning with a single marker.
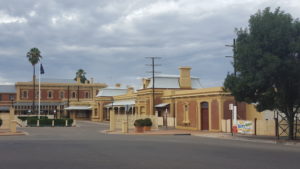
(121, 103)
(4, 108)
(162, 105)
(78, 108)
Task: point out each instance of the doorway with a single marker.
(204, 116)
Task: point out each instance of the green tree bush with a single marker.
(267, 63)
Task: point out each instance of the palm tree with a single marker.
(34, 56)
(81, 74)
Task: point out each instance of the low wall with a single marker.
(226, 126)
(265, 127)
(5, 120)
(170, 121)
(118, 120)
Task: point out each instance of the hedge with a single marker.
(32, 122)
(24, 118)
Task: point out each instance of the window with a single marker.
(11, 97)
(62, 94)
(87, 95)
(50, 94)
(73, 94)
(25, 94)
(36, 94)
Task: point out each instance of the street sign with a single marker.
(231, 106)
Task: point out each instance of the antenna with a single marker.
(153, 65)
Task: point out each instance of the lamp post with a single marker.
(54, 112)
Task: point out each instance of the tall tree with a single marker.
(81, 74)
(34, 56)
(267, 61)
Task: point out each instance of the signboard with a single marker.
(231, 107)
(245, 127)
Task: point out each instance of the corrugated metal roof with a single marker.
(7, 89)
(111, 92)
(121, 103)
(78, 108)
(172, 82)
(162, 105)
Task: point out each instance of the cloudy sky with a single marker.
(110, 39)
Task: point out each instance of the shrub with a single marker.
(148, 122)
(24, 118)
(45, 122)
(139, 123)
(32, 122)
(48, 122)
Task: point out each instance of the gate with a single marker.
(282, 127)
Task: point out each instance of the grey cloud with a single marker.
(110, 39)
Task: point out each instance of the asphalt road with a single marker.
(85, 147)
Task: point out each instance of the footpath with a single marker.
(6, 132)
(216, 135)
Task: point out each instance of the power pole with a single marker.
(235, 106)
(153, 65)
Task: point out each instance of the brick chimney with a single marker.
(130, 90)
(146, 82)
(78, 80)
(185, 77)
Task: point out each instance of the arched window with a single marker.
(36, 94)
(87, 95)
(73, 94)
(62, 94)
(25, 94)
(50, 94)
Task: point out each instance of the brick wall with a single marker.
(193, 117)
(215, 115)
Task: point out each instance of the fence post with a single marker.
(296, 127)
(255, 126)
(276, 128)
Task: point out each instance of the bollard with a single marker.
(66, 123)
(38, 123)
(74, 123)
(52, 123)
(125, 127)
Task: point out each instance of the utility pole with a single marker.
(153, 65)
(235, 107)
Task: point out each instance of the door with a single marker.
(204, 116)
